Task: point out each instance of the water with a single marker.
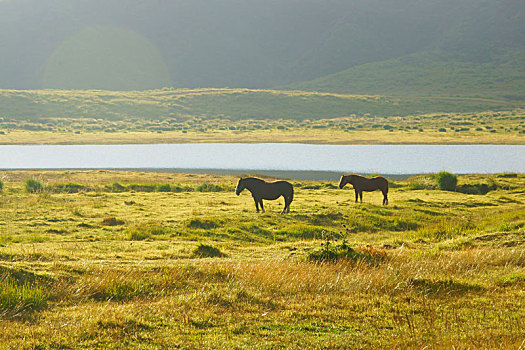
(364, 159)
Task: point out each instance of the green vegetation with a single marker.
(207, 251)
(446, 181)
(186, 109)
(237, 115)
(33, 186)
(98, 268)
(19, 300)
(434, 73)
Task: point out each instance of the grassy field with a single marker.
(116, 260)
(241, 115)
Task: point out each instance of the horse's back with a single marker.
(273, 190)
(372, 184)
(380, 182)
(283, 184)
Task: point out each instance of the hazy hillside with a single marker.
(232, 104)
(429, 74)
(146, 44)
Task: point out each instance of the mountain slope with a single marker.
(253, 43)
(428, 74)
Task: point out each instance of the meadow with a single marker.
(116, 259)
(243, 115)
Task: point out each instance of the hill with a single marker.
(250, 115)
(139, 45)
(232, 104)
(429, 74)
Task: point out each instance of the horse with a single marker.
(361, 184)
(261, 189)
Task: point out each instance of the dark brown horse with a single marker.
(361, 184)
(261, 189)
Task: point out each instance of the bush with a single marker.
(141, 188)
(33, 186)
(69, 187)
(164, 188)
(207, 251)
(206, 187)
(476, 188)
(446, 181)
(111, 221)
(116, 187)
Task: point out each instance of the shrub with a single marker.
(476, 188)
(185, 188)
(33, 186)
(141, 188)
(111, 221)
(139, 235)
(207, 251)
(69, 187)
(446, 181)
(164, 188)
(206, 187)
(116, 187)
(509, 175)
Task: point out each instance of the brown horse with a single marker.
(261, 189)
(361, 184)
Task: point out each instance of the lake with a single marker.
(271, 157)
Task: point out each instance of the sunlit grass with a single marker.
(100, 268)
(238, 115)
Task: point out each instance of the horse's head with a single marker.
(343, 181)
(240, 186)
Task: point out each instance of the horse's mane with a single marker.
(251, 179)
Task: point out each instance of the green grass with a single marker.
(202, 269)
(237, 115)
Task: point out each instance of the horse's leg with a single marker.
(287, 202)
(256, 204)
(385, 198)
(262, 206)
(356, 195)
(361, 196)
